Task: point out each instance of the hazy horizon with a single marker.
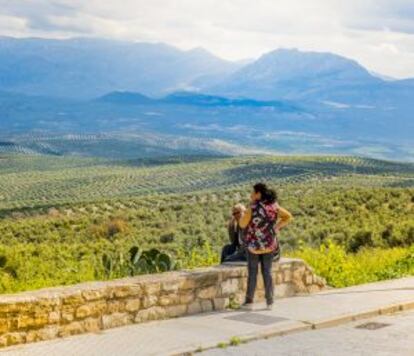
(241, 60)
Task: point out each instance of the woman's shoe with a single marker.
(269, 306)
(247, 305)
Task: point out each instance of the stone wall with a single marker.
(89, 307)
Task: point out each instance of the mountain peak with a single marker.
(293, 74)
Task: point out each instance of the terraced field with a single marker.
(36, 181)
(60, 215)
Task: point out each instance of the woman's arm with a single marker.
(245, 219)
(284, 218)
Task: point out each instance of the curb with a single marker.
(306, 326)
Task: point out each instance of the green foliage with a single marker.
(235, 341)
(201, 256)
(222, 345)
(233, 303)
(342, 269)
(66, 220)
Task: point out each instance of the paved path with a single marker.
(290, 315)
(394, 338)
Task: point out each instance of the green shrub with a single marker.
(342, 269)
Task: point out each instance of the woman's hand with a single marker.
(245, 218)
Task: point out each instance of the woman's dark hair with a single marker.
(269, 196)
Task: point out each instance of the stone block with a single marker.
(194, 308)
(4, 325)
(25, 321)
(313, 288)
(3, 341)
(154, 313)
(220, 303)
(115, 320)
(308, 279)
(13, 338)
(230, 286)
(279, 278)
(54, 317)
(91, 295)
(284, 290)
(132, 305)
(300, 287)
(72, 328)
(285, 266)
(49, 332)
(287, 276)
(206, 279)
(73, 299)
(208, 293)
(319, 281)
(46, 333)
(152, 288)
(186, 297)
(92, 324)
(298, 273)
(171, 286)
(83, 311)
(126, 291)
(67, 314)
(233, 272)
(91, 309)
(115, 306)
(48, 302)
(206, 306)
(149, 301)
(188, 283)
(176, 310)
(170, 299)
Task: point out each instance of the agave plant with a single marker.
(149, 261)
(114, 264)
(108, 265)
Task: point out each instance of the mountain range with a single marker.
(91, 84)
(86, 68)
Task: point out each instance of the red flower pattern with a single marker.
(260, 233)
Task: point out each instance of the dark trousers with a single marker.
(233, 253)
(265, 260)
(227, 251)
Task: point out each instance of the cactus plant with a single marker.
(107, 263)
(149, 261)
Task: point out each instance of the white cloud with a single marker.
(377, 33)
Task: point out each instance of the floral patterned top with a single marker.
(260, 233)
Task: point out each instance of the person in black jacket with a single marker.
(235, 251)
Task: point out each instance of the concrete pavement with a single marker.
(207, 331)
(387, 335)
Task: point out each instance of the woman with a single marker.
(262, 221)
(234, 251)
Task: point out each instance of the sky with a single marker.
(379, 34)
